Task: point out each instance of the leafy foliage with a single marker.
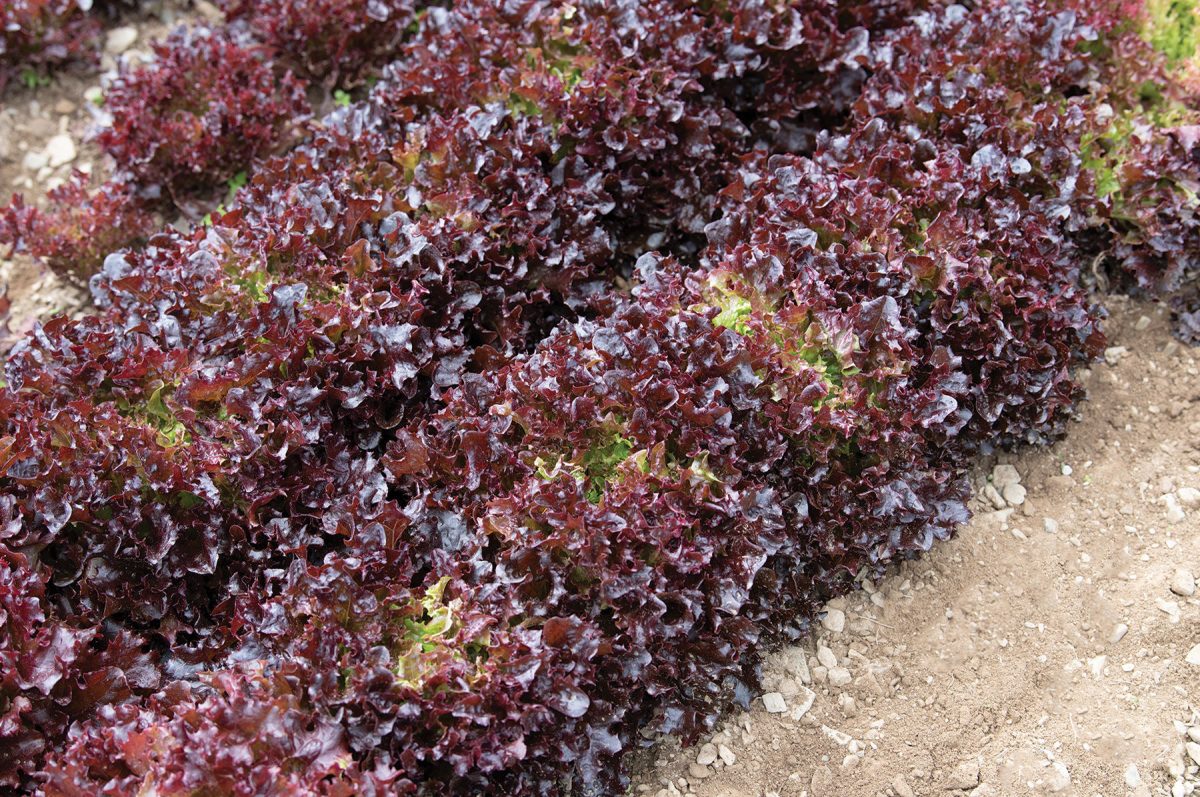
(206, 108)
(80, 228)
(36, 34)
(332, 41)
(506, 417)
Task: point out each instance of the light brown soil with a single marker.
(989, 667)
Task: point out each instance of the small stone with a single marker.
(806, 699)
(964, 776)
(983, 790)
(1014, 494)
(1183, 583)
(821, 784)
(1169, 608)
(839, 676)
(698, 772)
(94, 95)
(60, 150)
(788, 687)
(708, 755)
(1193, 751)
(847, 705)
(35, 161)
(1060, 777)
(1004, 475)
(826, 657)
(1189, 497)
(1193, 656)
(1050, 525)
(994, 497)
(1193, 733)
(901, 787)
(834, 620)
(774, 703)
(837, 737)
(1142, 324)
(209, 11)
(1175, 513)
(1114, 354)
(118, 40)
(727, 755)
(1133, 778)
(796, 665)
(64, 106)
(1118, 633)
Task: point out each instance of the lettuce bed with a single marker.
(508, 416)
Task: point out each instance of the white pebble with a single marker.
(834, 620)
(839, 676)
(60, 150)
(774, 703)
(1004, 475)
(1189, 497)
(1183, 583)
(118, 40)
(1014, 494)
(1193, 656)
(1113, 354)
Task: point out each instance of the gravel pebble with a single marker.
(727, 755)
(964, 776)
(1014, 494)
(1004, 475)
(1175, 513)
(1193, 751)
(118, 40)
(1183, 583)
(839, 676)
(774, 703)
(834, 620)
(1193, 656)
(60, 150)
(1189, 497)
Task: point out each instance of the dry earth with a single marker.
(1051, 648)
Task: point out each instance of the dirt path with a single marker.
(1042, 651)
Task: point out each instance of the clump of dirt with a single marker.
(1052, 647)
